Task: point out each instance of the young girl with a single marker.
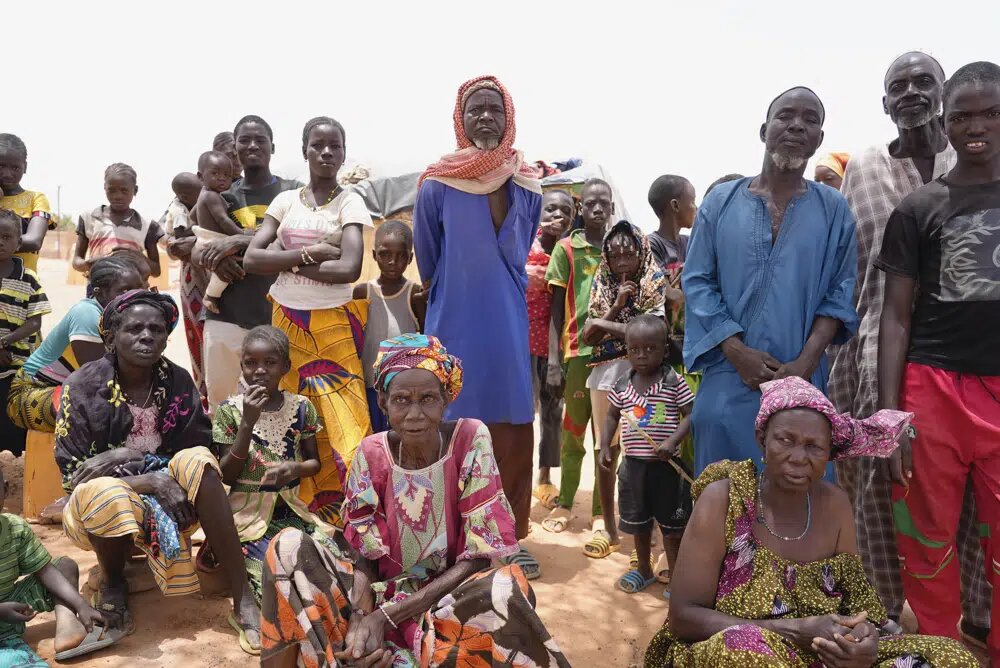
(268, 440)
(629, 282)
(116, 227)
(396, 304)
(31, 206)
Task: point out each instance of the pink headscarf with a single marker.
(876, 436)
(474, 170)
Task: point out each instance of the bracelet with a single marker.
(236, 456)
(387, 617)
(306, 257)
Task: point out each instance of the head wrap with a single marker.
(164, 303)
(418, 351)
(473, 170)
(836, 162)
(875, 436)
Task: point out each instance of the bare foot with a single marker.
(211, 304)
(69, 631)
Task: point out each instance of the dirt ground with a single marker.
(595, 624)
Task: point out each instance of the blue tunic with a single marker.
(736, 282)
(477, 304)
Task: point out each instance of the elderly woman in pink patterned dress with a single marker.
(764, 585)
(425, 515)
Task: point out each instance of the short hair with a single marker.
(316, 122)
(561, 191)
(251, 118)
(9, 141)
(793, 88)
(981, 72)
(207, 156)
(664, 189)
(106, 270)
(116, 168)
(594, 181)
(184, 180)
(723, 179)
(885, 79)
(647, 320)
(269, 335)
(223, 138)
(395, 227)
(8, 216)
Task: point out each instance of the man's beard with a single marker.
(916, 121)
(788, 163)
(486, 144)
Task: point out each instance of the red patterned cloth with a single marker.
(474, 170)
(539, 300)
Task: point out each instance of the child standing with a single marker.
(31, 582)
(22, 305)
(116, 227)
(396, 304)
(32, 207)
(558, 208)
(570, 274)
(652, 406)
(268, 440)
(211, 214)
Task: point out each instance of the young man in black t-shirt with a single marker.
(939, 356)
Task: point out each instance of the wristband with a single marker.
(387, 617)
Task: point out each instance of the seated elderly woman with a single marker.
(133, 444)
(74, 341)
(764, 585)
(426, 514)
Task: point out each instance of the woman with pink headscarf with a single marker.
(474, 221)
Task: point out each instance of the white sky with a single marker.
(642, 89)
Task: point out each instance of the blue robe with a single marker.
(477, 304)
(736, 282)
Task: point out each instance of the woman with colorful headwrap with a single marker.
(771, 570)
(830, 169)
(135, 450)
(425, 515)
(475, 218)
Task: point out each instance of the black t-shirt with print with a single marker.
(947, 237)
(244, 303)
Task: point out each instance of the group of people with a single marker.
(360, 456)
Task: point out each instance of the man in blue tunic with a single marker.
(769, 282)
(474, 220)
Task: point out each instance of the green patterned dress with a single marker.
(756, 583)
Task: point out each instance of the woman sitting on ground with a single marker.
(132, 442)
(74, 341)
(426, 513)
(762, 584)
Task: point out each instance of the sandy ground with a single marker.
(595, 624)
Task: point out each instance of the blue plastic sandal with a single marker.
(633, 582)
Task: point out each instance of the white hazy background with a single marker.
(642, 88)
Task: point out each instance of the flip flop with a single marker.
(244, 642)
(558, 520)
(99, 637)
(547, 494)
(633, 582)
(532, 569)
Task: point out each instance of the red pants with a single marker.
(958, 439)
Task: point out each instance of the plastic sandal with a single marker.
(558, 520)
(244, 641)
(547, 495)
(528, 564)
(633, 563)
(633, 582)
(599, 546)
(99, 637)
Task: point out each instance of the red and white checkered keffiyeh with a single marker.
(474, 170)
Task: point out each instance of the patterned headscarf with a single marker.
(473, 170)
(652, 281)
(835, 161)
(875, 436)
(418, 351)
(113, 311)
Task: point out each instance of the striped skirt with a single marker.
(109, 508)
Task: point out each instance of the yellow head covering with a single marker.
(835, 161)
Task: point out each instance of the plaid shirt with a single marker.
(875, 183)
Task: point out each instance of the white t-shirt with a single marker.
(302, 226)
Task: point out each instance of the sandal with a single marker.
(633, 582)
(245, 643)
(104, 600)
(662, 571)
(633, 560)
(599, 546)
(99, 637)
(205, 560)
(528, 564)
(558, 520)
(547, 494)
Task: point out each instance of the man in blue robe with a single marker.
(768, 282)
